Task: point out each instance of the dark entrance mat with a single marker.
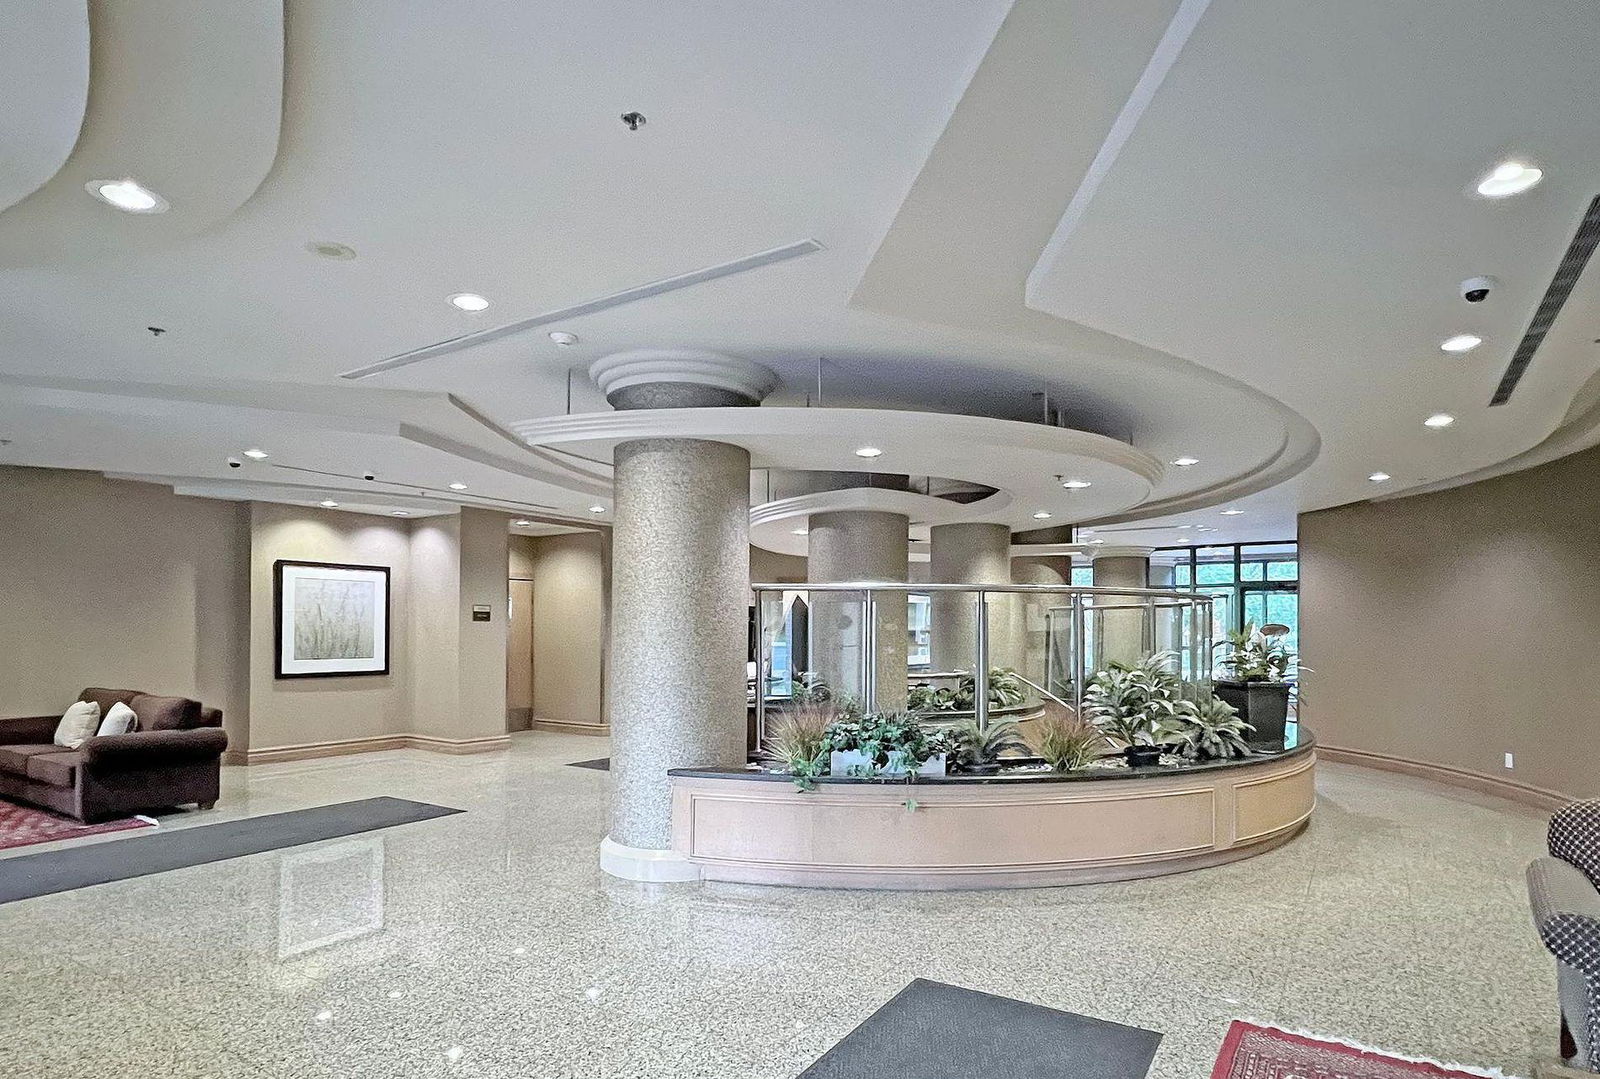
(599, 764)
(48, 872)
(935, 1031)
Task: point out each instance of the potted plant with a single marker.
(1139, 705)
(979, 747)
(1067, 741)
(1257, 686)
(1005, 691)
(797, 743)
(1213, 730)
(893, 743)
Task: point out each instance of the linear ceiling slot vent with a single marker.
(1555, 297)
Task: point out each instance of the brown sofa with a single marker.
(174, 757)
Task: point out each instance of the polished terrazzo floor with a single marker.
(489, 944)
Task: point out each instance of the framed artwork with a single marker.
(330, 620)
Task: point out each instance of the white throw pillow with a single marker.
(79, 722)
(120, 720)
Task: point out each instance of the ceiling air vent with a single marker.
(1555, 298)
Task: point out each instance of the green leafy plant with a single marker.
(1067, 741)
(979, 747)
(1006, 690)
(880, 735)
(1139, 704)
(810, 687)
(1254, 655)
(797, 742)
(1212, 730)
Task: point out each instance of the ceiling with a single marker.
(1230, 230)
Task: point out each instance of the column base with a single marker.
(646, 863)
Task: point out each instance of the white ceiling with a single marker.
(1258, 276)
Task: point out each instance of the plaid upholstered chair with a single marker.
(1564, 890)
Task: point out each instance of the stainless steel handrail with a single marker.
(913, 586)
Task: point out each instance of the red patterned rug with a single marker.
(1253, 1052)
(23, 826)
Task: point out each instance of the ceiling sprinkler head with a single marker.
(634, 120)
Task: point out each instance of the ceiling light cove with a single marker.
(1509, 178)
(1186, 462)
(328, 504)
(869, 451)
(1380, 477)
(1461, 342)
(468, 301)
(458, 486)
(1076, 485)
(1439, 420)
(255, 454)
(127, 194)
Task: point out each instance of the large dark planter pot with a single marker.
(1263, 705)
(1142, 756)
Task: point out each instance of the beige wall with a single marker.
(297, 711)
(568, 574)
(1451, 628)
(120, 584)
(767, 567)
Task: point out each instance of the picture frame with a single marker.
(330, 619)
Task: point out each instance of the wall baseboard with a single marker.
(561, 726)
(1511, 790)
(373, 744)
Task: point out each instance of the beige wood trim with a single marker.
(1524, 793)
(561, 726)
(755, 830)
(373, 744)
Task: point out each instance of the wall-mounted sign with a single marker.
(480, 612)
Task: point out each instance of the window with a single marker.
(1250, 582)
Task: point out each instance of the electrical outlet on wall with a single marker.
(1510, 762)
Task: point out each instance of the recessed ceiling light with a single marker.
(1509, 178)
(597, 509)
(800, 531)
(522, 522)
(468, 301)
(400, 513)
(1183, 527)
(329, 249)
(1461, 342)
(564, 339)
(1231, 512)
(458, 486)
(1042, 515)
(869, 451)
(1075, 485)
(1204, 528)
(1186, 462)
(127, 194)
(1438, 420)
(328, 503)
(255, 454)
(1380, 477)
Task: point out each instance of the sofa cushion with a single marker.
(165, 713)
(56, 769)
(120, 720)
(14, 759)
(105, 698)
(81, 721)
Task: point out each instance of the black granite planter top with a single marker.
(1304, 745)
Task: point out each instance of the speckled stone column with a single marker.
(859, 545)
(1121, 631)
(969, 554)
(679, 593)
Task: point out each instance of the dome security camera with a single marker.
(369, 475)
(1477, 289)
(234, 462)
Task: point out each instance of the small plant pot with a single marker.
(933, 766)
(1142, 756)
(849, 762)
(1263, 705)
(990, 769)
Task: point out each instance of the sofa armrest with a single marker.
(29, 730)
(152, 749)
(1566, 912)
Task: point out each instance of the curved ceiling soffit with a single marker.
(189, 105)
(994, 193)
(44, 81)
(920, 508)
